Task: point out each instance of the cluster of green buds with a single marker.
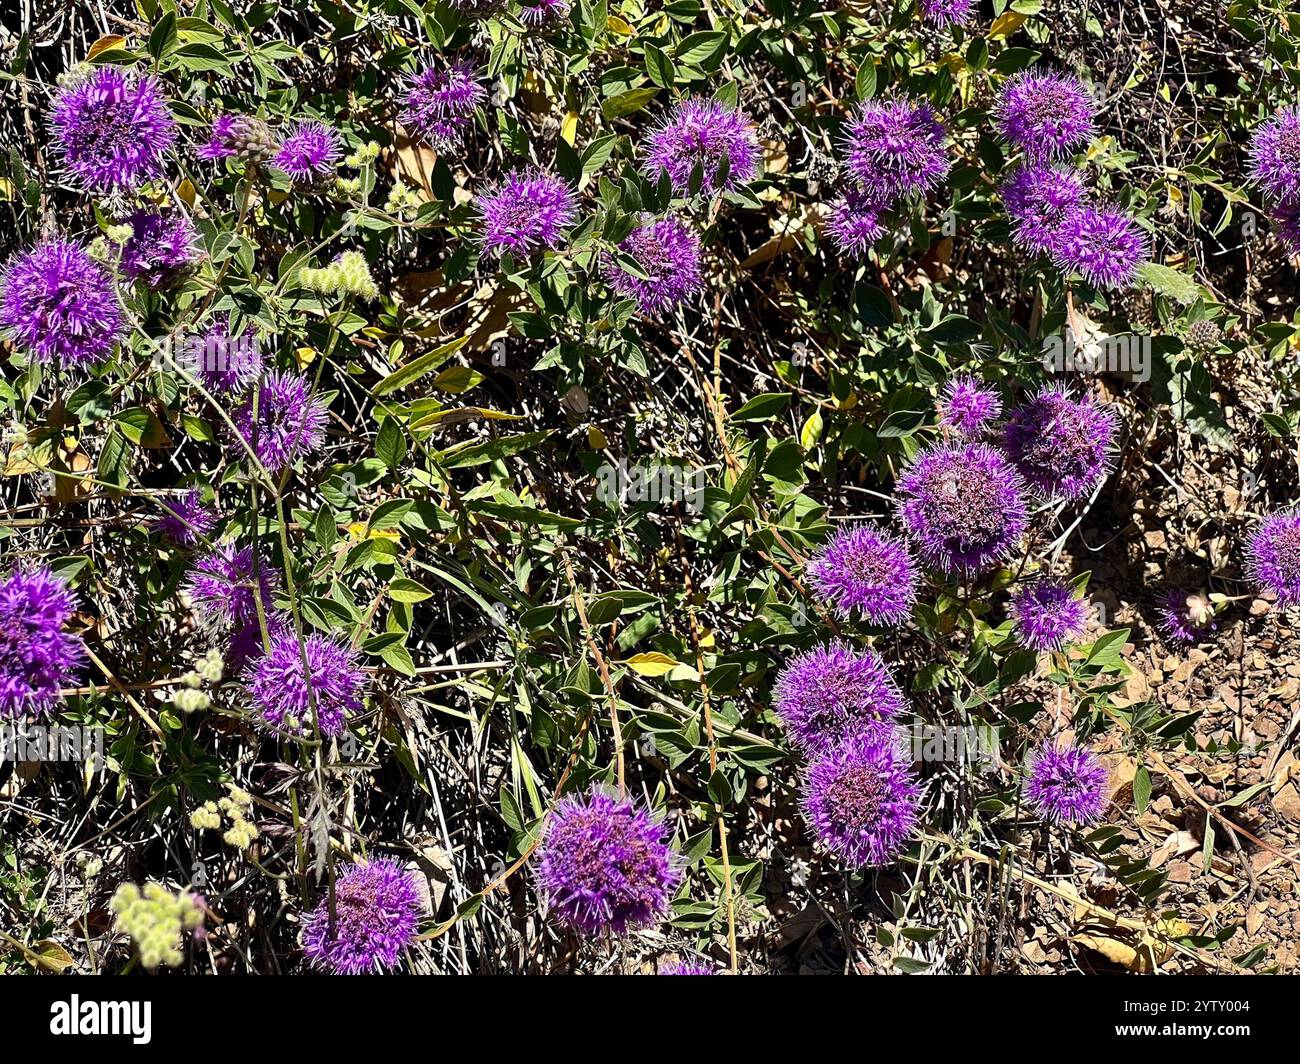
(363, 156)
(208, 670)
(347, 275)
(154, 918)
(235, 807)
(403, 201)
(105, 248)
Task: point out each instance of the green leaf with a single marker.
(762, 407)
(1171, 283)
(418, 367)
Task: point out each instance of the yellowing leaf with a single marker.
(569, 127)
(617, 25)
(304, 356)
(596, 439)
(185, 190)
(103, 45)
(1006, 24)
(359, 530)
(652, 663)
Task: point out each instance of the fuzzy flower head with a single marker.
(440, 103)
(685, 968)
(861, 799)
(283, 691)
(38, 658)
(1275, 156)
(1186, 617)
(1046, 115)
(112, 129)
(58, 304)
(246, 644)
(1103, 245)
(1286, 223)
(605, 865)
(667, 253)
(289, 421)
(222, 590)
(964, 506)
(377, 912)
(967, 407)
(1066, 784)
(161, 247)
(526, 210)
(853, 223)
(186, 518)
(834, 691)
(223, 363)
(1061, 445)
(947, 12)
(895, 148)
(540, 14)
(867, 569)
(238, 135)
(1039, 198)
(309, 152)
(1274, 557)
(707, 134)
(1048, 614)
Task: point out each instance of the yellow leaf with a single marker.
(652, 663)
(103, 45)
(811, 431)
(1006, 24)
(304, 356)
(569, 127)
(360, 530)
(6, 189)
(617, 25)
(185, 190)
(596, 439)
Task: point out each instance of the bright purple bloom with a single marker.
(112, 129)
(283, 690)
(895, 148)
(867, 569)
(223, 363)
(238, 135)
(1106, 246)
(1062, 446)
(186, 518)
(526, 210)
(604, 865)
(221, 588)
(38, 658)
(1275, 156)
(377, 913)
(861, 799)
(440, 103)
(1039, 197)
(1046, 115)
(947, 12)
(221, 141)
(685, 968)
(967, 406)
(1048, 614)
(290, 421)
(832, 692)
(667, 252)
(59, 305)
(1066, 784)
(246, 643)
(537, 13)
(1274, 557)
(853, 222)
(708, 134)
(1185, 618)
(964, 505)
(309, 152)
(161, 247)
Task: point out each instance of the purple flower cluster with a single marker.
(866, 569)
(112, 129)
(309, 152)
(1274, 557)
(854, 222)
(225, 364)
(604, 865)
(1275, 168)
(1061, 445)
(1185, 617)
(186, 518)
(59, 305)
(1066, 784)
(832, 692)
(667, 257)
(160, 248)
(377, 912)
(1048, 614)
(895, 149)
(1039, 197)
(38, 657)
(1045, 115)
(283, 689)
(967, 407)
(526, 210)
(709, 135)
(288, 421)
(238, 135)
(440, 102)
(540, 14)
(947, 12)
(861, 799)
(221, 586)
(1104, 245)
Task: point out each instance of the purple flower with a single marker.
(309, 152)
(1062, 446)
(1274, 557)
(377, 912)
(685, 968)
(59, 305)
(161, 247)
(895, 148)
(1105, 246)
(861, 799)
(964, 505)
(221, 588)
(604, 865)
(947, 12)
(967, 407)
(238, 135)
(38, 658)
(283, 690)
(832, 692)
(1039, 197)
(1185, 618)
(1048, 615)
(223, 363)
(440, 103)
(854, 223)
(537, 13)
(708, 134)
(526, 210)
(221, 141)
(1275, 156)
(187, 518)
(1045, 115)
(1286, 223)
(290, 421)
(667, 253)
(1067, 784)
(867, 569)
(246, 643)
(112, 129)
